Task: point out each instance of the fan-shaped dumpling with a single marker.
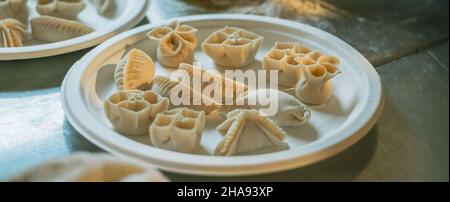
(176, 44)
(248, 131)
(132, 112)
(12, 33)
(68, 9)
(16, 9)
(135, 71)
(283, 58)
(103, 6)
(232, 47)
(316, 86)
(173, 90)
(52, 29)
(178, 130)
(230, 89)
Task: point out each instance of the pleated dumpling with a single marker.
(232, 47)
(68, 9)
(283, 58)
(176, 43)
(12, 33)
(249, 132)
(316, 86)
(179, 92)
(135, 71)
(178, 130)
(104, 6)
(52, 29)
(132, 112)
(16, 9)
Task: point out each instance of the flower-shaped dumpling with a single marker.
(176, 44)
(232, 47)
(248, 131)
(135, 71)
(16, 9)
(316, 86)
(12, 33)
(178, 130)
(53, 29)
(68, 9)
(283, 58)
(132, 112)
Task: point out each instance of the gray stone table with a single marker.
(407, 41)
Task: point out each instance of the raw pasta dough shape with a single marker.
(135, 71)
(248, 132)
(132, 112)
(179, 91)
(232, 47)
(12, 33)
(283, 58)
(16, 9)
(68, 9)
(178, 130)
(176, 44)
(51, 29)
(316, 86)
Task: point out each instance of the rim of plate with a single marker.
(79, 115)
(134, 13)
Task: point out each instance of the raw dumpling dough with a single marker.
(283, 58)
(135, 71)
(16, 9)
(316, 86)
(52, 29)
(67, 9)
(176, 44)
(132, 112)
(248, 131)
(12, 33)
(232, 47)
(104, 6)
(228, 86)
(85, 167)
(173, 89)
(178, 130)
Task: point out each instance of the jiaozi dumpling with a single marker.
(16, 9)
(132, 112)
(283, 58)
(173, 90)
(135, 71)
(52, 29)
(316, 86)
(178, 130)
(12, 33)
(248, 131)
(68, 9)
(176, 44)
(103, 6)
(232, 47)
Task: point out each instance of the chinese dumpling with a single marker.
(12, 33)
(248, 131)
(230, 90)
(232, 47)
(67, 9)
(316, 86)
(283, 58)
(176, 44)
(135, 71)
(104, 6)
(183, 95)
(178, 130)
(16, 9)
(132, 112)
(52, 29)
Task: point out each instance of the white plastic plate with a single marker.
(125, 15)
(354, 109)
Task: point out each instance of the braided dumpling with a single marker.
(135, 71)
(12, 33)
(67, 9)
(52, 29)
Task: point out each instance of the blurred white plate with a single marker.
(125, 16)
(354, 109)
